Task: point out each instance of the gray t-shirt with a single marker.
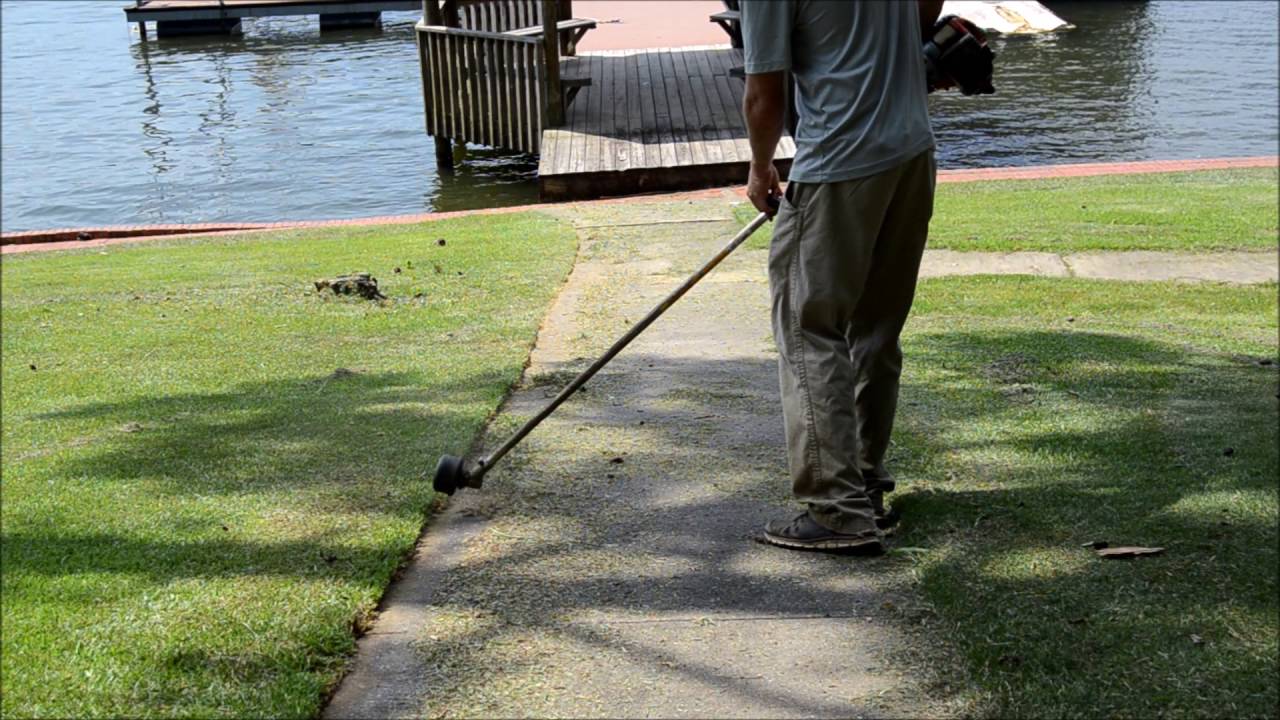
(860, 80)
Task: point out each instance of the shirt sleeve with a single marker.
(766, 35)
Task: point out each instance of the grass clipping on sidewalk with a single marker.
(211, 470)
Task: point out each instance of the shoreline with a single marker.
(69, 238)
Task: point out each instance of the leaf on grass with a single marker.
(908, 550)
(1128, 552)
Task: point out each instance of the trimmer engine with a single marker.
(956, 53)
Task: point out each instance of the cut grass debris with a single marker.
(1199, 211)
(1040, 416)
(211, 469)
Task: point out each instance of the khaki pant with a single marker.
(842, 271)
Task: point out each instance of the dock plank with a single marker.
(602, 160)
(565, 159)
(620, 152)
(598, 118)
(635, 112)
(661, 114)
(652, 120)
(684, 139)
(690, 93)
(652, 138)
(723, 121)
(577, 125)
(595, 147)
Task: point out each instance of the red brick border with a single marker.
(1041, 172)
(41, 240)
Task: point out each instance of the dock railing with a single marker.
(482, 87)
(487, 77)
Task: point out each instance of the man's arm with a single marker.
(930, 10)
(763, 105)
(766, 54)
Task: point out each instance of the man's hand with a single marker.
(762, 106)
(763, 188)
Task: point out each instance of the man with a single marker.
(847, 244)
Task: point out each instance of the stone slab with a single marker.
(1229, 267)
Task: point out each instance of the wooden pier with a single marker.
(651, 120)
(202, 17)
(505, 73)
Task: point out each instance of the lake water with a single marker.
(284, 123)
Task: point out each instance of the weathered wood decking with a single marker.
(657, 119)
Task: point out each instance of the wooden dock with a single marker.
(652, 120)
(191, 17)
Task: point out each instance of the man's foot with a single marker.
(804, 533)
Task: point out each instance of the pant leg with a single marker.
(818, 267)
(882, 311)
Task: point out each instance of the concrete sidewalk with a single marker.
(1243, 268)
(607, 568)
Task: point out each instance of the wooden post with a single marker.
(565, 12)
(444, 153)
(553, 110)
(431, 12)
(433, 15)
(142, 29)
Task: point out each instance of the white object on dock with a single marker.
(1020, 17)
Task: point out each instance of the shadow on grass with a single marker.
(351, 443)
(74, 553)
(346, 428)
(1109, 435)
(1100, 438)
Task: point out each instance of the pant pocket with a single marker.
(794, 195)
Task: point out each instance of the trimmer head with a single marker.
(451, 474)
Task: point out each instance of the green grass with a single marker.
(1040, 414)
(197, 507)
(1193, 211)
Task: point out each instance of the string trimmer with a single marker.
(452, 473)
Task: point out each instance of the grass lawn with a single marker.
(211, 470)
(1041, 414)
(1192, 211)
